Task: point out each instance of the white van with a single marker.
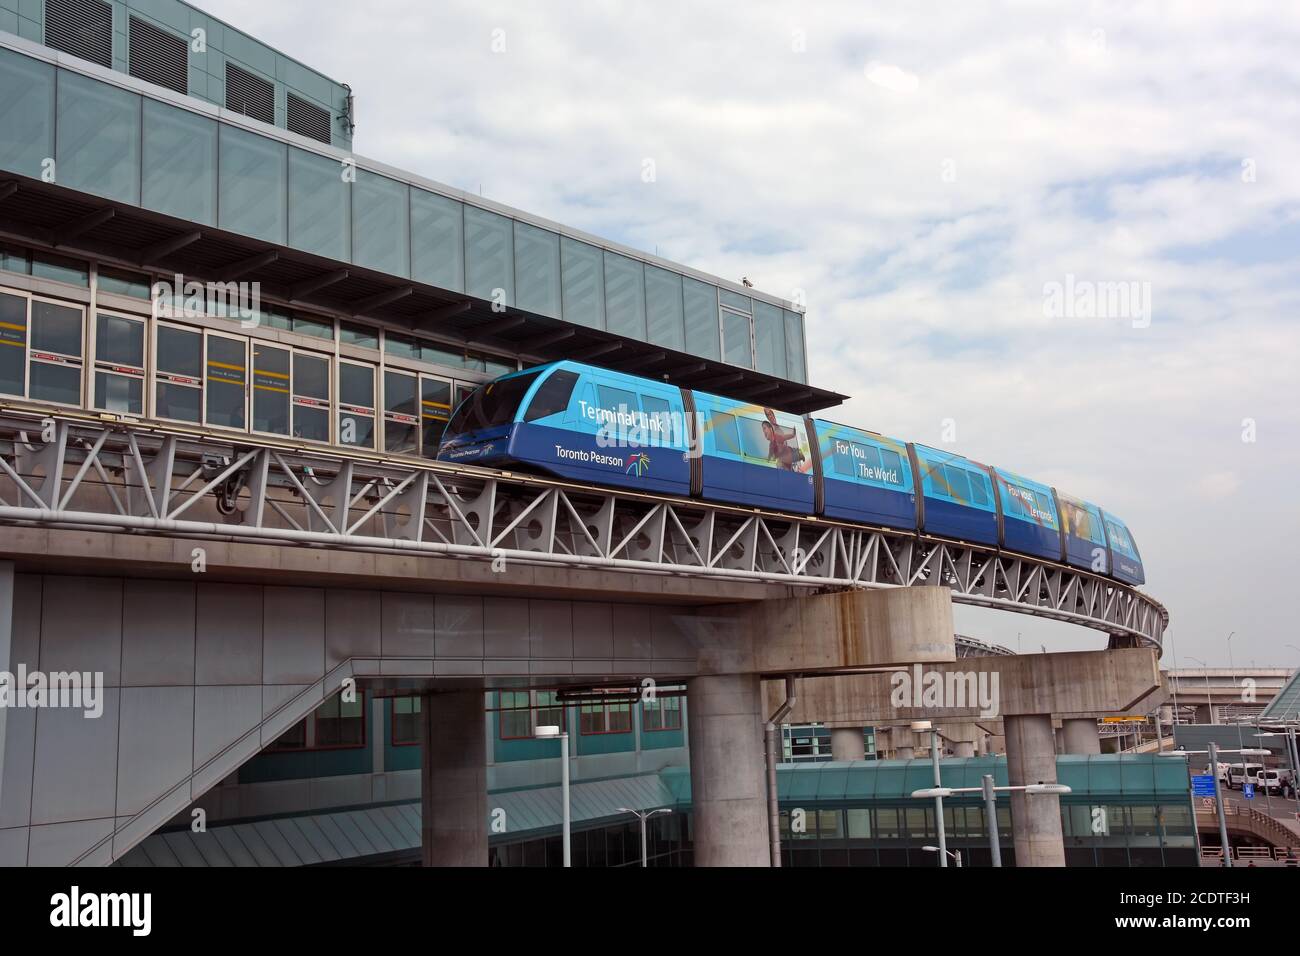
(1239, 774)
(1272, 780)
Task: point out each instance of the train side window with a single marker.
(844, 458)
(618, 401)
(271, 394)
(659, 422)
(753, 442)
(553, 395)
(1044, 507)
(311, 397)
(979, 491)
(892, 464)
(356, 405)
(725, 438)
(119, 364)
(178, 374)
(401, 415)
(958, 483)
(867, 460)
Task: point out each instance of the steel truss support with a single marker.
(80, 473)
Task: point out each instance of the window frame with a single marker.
(201, 385)
(531, 710)
(93, 369)
(83, 308)
(316, 719)
(336, 430)
(605, 712)
(658, 703)
(393, 740)
(246, 343)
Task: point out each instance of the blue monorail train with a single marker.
(594, 425)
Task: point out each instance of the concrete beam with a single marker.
(825, 633)
(453, 780)
(1075, 684)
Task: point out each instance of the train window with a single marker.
(227, 380)
(493, 404)
(13, 335)
(658, 413)
(54, 362)
(891, 464)
(435, 409)
(1044, 507)
(401, 416)
(119, 364)
(271, 395)
(752, 439)
(844, 458)
(1119, 538)
(1021, 501)
(311, 397)
(552, 395)
(616, 400)
(868, 461)
(178, 374)
(958, 483)
(356, 405)
(979, 490)
(725, 438)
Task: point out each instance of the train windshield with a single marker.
(490, 405)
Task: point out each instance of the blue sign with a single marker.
(1248, 791)
(1202, 785)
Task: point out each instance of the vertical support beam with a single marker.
(1035, 818)
(848, 743)
(1079, 736)
(728, 792)
(453, 779)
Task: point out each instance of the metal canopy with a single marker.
(75, 223)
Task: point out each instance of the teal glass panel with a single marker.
(437, 240)
(701, 305)
(735, 300)
(735, 336)
(49, 266)
(98, 138)
(624, 296)
(769, 338)
(26, 113)
(319, 207)
(796, 366)
(583, 273)
(117, 282)
(665, 324)
(537, 270)
(364, 335)
(489, 256)
(380, 231)
(180, 163)
(253, 185)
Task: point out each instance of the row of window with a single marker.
(522, 712)
(131, 149)
(167, 370)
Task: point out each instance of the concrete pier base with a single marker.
(963, 748)
(1079, 736)
(728, 784)
(1035, 818)
(848, 743)
(453, 779)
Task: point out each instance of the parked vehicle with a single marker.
(1272, 780)
(1241, 774)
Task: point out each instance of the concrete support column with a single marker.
(728, 784)
(848, 743)
(1079, 736)
(453, 779)
(963, 748)
(1035, 818)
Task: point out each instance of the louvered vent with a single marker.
(83, 28)
(249, 94)
(308, 119)
(159, 57)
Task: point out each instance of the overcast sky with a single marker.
(925, 173)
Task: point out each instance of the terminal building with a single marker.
(147, 145)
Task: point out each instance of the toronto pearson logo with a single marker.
(641, 463)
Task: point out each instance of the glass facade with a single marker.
(102, 138)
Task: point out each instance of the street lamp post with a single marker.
(643, 815)
(990, 805)
(944, 854)
(549, 733)
(1214, 752)
(921, 726)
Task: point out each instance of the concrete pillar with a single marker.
(848, 743)
(1035, 818)
(905, 753)
(1079, 736)
(453, 779)
(963, 748)
(728, 783)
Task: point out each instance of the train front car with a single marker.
(1030, 524)
(1125, 562)
(866, 477)
(577, 422)
(957, 497)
